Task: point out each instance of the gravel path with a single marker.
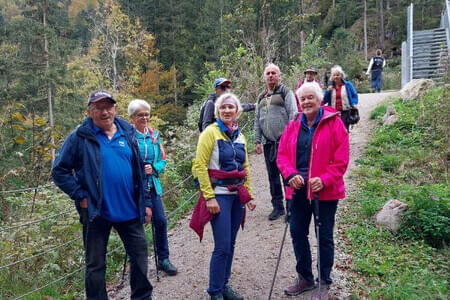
(257, 246)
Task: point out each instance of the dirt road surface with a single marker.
(257, 246)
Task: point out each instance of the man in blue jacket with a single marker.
(100, 168)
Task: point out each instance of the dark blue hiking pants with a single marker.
(301, 213)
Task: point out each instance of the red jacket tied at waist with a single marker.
(201, 216)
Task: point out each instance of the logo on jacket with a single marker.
(121, 143)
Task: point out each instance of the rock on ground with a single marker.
(391, 214)
(257, 246)
(416, 88)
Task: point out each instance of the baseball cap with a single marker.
(221, 81)
(99, 95)
(311, 69)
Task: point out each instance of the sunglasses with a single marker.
(226, 87)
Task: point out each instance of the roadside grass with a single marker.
(405, 161)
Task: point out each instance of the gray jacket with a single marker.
(272, 113)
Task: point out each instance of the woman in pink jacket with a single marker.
(312, 157)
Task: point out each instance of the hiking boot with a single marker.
(301, 285)
(217, 297)
(229, 294)
(276, 213)
(167, 267)
(321, 294)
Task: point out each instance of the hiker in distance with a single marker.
(341, 95)
(313, 157)
(310, 76)
(375, 70)
(276, 106)
(100, 168)
(154, 157)
(207, 117)
(222, 168)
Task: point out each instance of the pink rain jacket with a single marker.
(329, 155)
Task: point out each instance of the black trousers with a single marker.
(276, 186)
(345, 114)
(95, 237)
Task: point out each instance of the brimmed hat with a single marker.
(221, 81)
(312, 70)
(99, 95)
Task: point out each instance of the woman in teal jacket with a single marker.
(154, 157)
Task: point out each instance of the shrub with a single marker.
(429, 215)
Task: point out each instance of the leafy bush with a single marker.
(429, 214)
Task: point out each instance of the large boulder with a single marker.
(416, 88)
(390, 117)
(391, 214)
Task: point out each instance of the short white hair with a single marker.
(272, 65)
(338, 68)
(224, 97)
(310, 85)
(137, 104)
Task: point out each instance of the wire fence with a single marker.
(169, 217)
(28, 189)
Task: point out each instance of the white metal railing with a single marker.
(445, 23)
(407, 49)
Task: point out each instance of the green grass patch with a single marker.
(405, 161)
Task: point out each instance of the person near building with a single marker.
(375, 70)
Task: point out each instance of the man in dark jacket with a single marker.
(221, 85)
(99, 167)
(375, 70)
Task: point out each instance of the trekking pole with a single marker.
(317, 225)
(288, 214)
(153, 234)
(154, 251)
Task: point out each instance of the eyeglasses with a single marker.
(143, 115)
(225, 87)
(98, 108)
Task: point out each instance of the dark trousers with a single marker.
(345, 114)
(375, 79)
(301, 212)
(160, 222)
(225, 226)
(276, 187)
(95, 237)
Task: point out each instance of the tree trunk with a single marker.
(175, 95)
(157, 76)
(114, 63)
(47, 71)
(365, 29)
(381, 24)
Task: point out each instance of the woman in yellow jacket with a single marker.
(221, 166)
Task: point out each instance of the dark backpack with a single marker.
(282, 89)
(200, 118)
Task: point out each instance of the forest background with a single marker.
(54, 53)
